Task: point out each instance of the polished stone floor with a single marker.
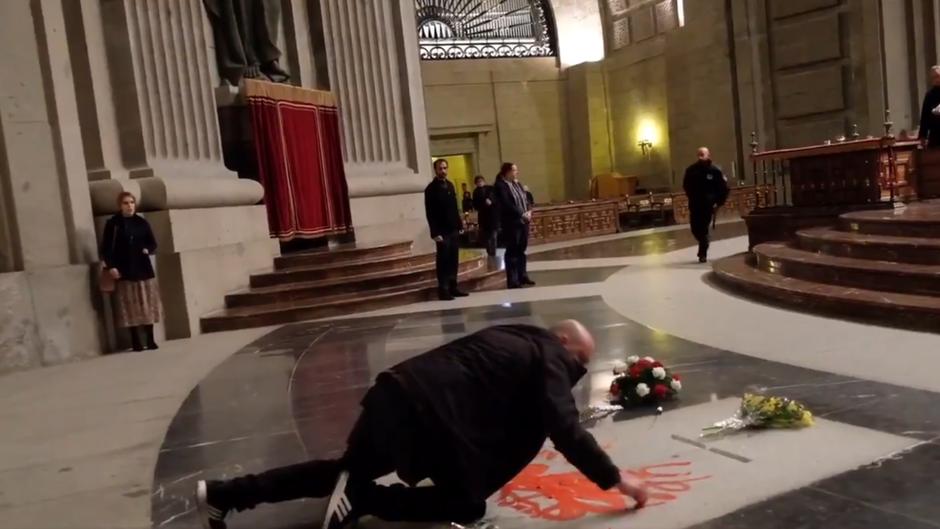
(293, 395)
(658, 242)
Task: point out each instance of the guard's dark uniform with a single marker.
(707, 188)
(930, 123)
(440, 206)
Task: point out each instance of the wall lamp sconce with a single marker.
(646, 146)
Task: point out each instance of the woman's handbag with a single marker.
(106, 282)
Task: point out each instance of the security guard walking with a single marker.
(707, 189)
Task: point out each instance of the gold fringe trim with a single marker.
(286, 92)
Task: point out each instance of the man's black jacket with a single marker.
(487, 214)
(705, 186)
(491, 399)
(929, 123)
(440, 206)
(511, 201)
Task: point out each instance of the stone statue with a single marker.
(246, 39)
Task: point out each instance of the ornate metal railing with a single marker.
(481, 29)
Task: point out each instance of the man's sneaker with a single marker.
(211, 511)
(339, 511)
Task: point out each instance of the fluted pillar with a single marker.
(156, 104)
(374, 69)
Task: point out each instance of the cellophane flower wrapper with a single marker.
(599, 411)
(759, 411)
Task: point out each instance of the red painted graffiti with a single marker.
(566, 496)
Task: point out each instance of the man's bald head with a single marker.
(704, 154)
(575, 338)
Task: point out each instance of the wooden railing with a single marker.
(852, 172)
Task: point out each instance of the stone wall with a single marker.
(795, 73)
(502, 110)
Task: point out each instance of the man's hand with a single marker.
(438, 239)
(114, 273)
(634, 488)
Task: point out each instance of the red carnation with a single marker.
(660, 391)
(615, 389)
(636, 371)
(658, 364)
(676, 377)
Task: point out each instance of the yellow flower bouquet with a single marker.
(759, 411)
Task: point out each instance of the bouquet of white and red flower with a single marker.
(643, 381)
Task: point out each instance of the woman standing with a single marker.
(126, 247)
(515, 216)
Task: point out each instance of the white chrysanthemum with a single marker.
(659, 373)
(620, 368)
(632, 360)
(642, 390)
(676, 385)
(649, 359)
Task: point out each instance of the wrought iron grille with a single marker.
(472, 29)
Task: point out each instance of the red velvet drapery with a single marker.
(300, 161)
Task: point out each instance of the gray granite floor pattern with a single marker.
(237, 420)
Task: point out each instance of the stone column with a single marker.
(588, 128)
(374, 69)
(46, 311)
(162, 75)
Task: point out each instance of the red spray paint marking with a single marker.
(567, 496)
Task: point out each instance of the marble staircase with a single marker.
(881, 266)
(347, 279)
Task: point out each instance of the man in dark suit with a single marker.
(929, 132)
(515, 216)
(707, 189)
(440, 206)
(484, 202)
(469, 415)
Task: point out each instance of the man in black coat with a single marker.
(515, 216)
(707, 189)
(484, 202)
(469, 415)
(929, 133)
(445, 224)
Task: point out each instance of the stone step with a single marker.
(779, 258)
(920, 220)
(351, 285)
(344, 253)
(259, 316)
(893, 308)
(915, 250)
(340, 270)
